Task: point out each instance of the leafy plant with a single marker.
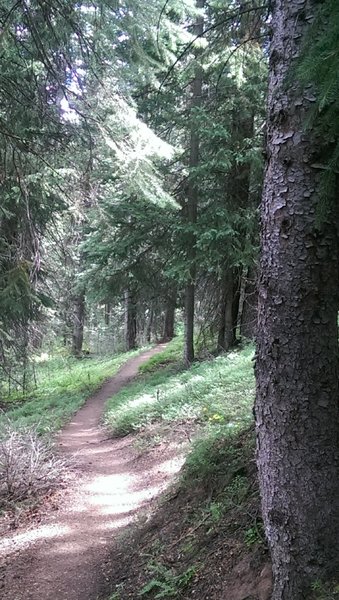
(165, 583)
(254, 534)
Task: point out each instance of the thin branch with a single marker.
(249, 39)
(10, 12)
(162, 12)
(200, 35)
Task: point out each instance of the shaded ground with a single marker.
(188, 550)
(66, 556)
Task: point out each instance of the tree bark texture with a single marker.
(130, 320)
(297, 420)
(249, 315)
(192, 200)
(78, 324)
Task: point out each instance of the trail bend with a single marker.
(64, 557)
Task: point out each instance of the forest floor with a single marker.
(124, 526)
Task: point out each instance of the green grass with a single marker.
(63, 385)
(172, 355)
(216, 396)
(216, 393)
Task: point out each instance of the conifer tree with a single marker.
(297, 354)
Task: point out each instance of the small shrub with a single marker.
(255, 534)
(28, 467)
(166, 583)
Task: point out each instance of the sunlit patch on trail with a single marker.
(33, 535)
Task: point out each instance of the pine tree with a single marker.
(297, 354)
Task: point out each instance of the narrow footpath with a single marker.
(64, 557)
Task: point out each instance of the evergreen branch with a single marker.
(203, 33)
(162, 12)
(10, 12)
(233, 52)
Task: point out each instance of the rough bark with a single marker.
(192, 201)
(78, 324)
(168, 333)
(297, 420)
(130, 320)
(249, 314)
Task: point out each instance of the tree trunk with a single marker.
(189, 324)
(225, 333)
(192, 199)
(249, 315)
(78, 324)
(77, 238)
(107, 313)
(168, 333)
(236, 276)
(238, 192)
(297, 420)
(130, 320)
(228, 309)
(149, 325)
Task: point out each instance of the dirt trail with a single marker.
(63, 558)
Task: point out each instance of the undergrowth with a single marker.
(28, 466)
(165, 582)
(172, 355)
(218, 394)
(63, 385)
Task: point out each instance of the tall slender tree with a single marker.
(297, 418)
(193, 193)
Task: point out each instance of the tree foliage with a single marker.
(318, 73)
